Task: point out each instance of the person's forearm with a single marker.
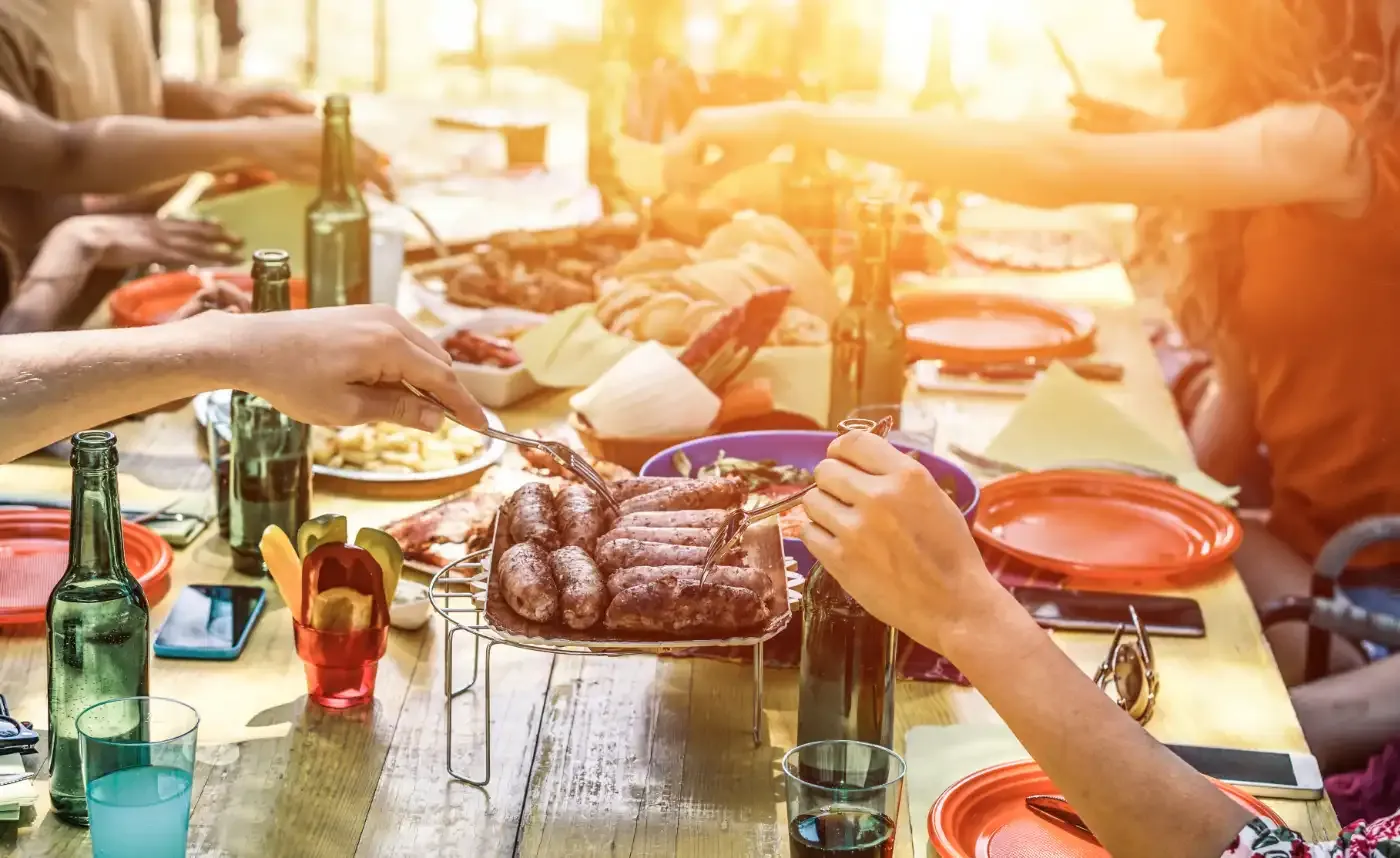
(55, 384)
(125, 153)
(1112, 772)
(1349, 717)
(189, 99)
(1015, 162)
(65, 260)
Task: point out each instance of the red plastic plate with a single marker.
(34, 552)
(976, 328)
(152, 300)
(1104, 526)
(984, 815)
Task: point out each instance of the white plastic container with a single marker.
(493, 386)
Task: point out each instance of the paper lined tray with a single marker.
(763, 547)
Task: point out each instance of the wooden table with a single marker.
(592, 756)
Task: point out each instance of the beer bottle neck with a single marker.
(871, 284)
(272, 293)
(95, 548)
(338, 180)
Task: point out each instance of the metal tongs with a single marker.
(566, 456)
(738, 521)
(1055, 809)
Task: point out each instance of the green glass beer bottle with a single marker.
(337, 221)
(868, 344)
(98, 622)
(269, 453)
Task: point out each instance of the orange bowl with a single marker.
(152, 300)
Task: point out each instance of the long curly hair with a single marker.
(1343, 52)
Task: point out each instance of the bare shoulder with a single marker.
(1317, 144)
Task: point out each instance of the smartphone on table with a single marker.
(1263, 774)
(210, 622)
(1093, 611)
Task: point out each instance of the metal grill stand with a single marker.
(453, 596)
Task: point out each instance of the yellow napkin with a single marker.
(271, 215)
(571, 349)
(1064, 419)
(640, 165)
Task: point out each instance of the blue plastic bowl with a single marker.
(802, 450)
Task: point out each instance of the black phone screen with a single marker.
(1229, 764)
(1086, 610)
(210, 618)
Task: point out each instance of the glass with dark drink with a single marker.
(842, 799)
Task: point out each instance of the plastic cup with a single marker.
(138, 764)
(843, 799)
(340, 666)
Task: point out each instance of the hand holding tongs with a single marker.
(737, 522)
(560, 452)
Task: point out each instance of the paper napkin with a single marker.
(571, 349)
(271, 215)
(939, 757)
(16, 796)
(1064, 419)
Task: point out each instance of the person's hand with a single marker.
(290, 147)
(125, 241)
(216, 295)
(342, 366)
(250, 101)
(742, 135)
(1107, 117)
(894, 539)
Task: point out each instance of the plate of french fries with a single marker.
(384, 452)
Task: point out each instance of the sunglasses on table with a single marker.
(1129, 674)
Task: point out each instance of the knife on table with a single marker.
(1092, 370)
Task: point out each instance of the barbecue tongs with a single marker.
(560, 452)
(731, 533)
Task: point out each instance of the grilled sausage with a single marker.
(532, 516)
(679, 518)
(716, 493)
(633, 486)
(733, 576)
(529, 585)
(622, 553)
(669, 606)
(668, 535)
(581, 517)
(582, 594)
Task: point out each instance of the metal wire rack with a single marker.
(458, 594)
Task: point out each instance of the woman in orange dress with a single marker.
(1290, 163)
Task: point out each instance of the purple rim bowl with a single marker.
(803, 450)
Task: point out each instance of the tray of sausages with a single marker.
(566, 570)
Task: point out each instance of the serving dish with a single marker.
(215, 405)
(494, 386)
(802, 449)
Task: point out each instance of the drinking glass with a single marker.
(138, 764)
(842, 799)
(914, 423)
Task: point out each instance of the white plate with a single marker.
(216, 403)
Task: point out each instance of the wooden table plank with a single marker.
(417, 809)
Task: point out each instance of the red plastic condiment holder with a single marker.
(341, 666)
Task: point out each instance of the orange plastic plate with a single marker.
(1103, 526)
(977, 328)
(152, 300)
(34, 552)
(984, 815)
